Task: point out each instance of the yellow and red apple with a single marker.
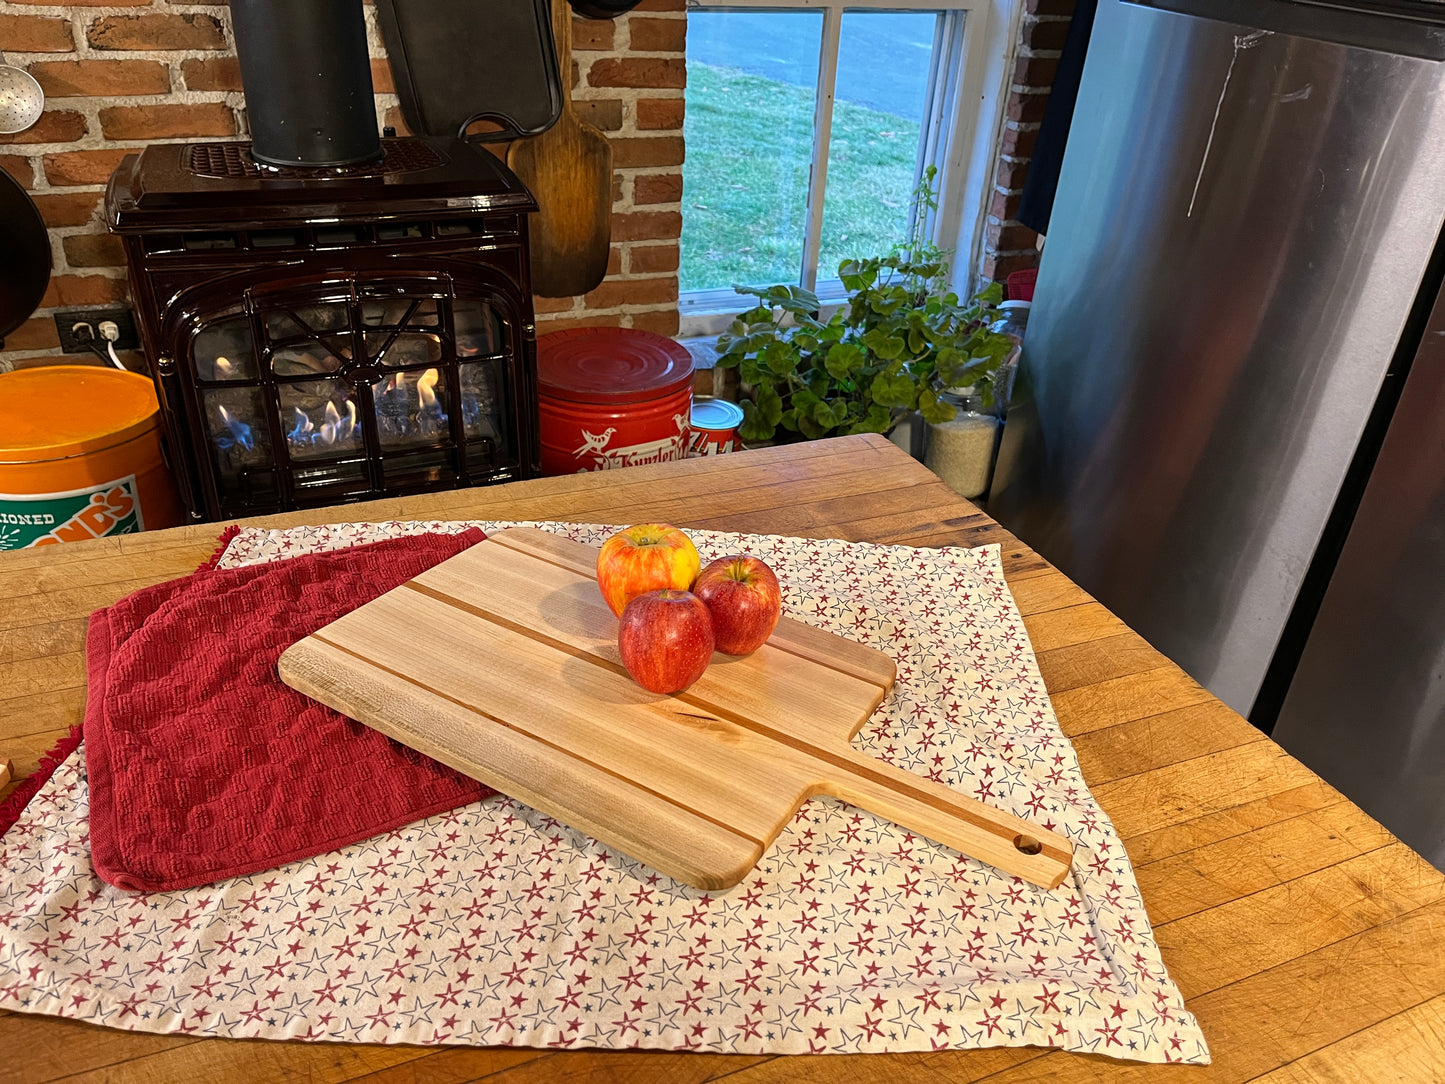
(645, 557)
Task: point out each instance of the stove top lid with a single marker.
(173, 185)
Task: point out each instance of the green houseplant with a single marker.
(898, 341)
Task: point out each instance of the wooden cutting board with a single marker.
(502, 662)
(569, 169)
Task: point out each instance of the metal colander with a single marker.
(21, 99)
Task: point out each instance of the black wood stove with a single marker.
(331, 316)
(325, 334)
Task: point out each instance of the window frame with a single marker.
(974, 45)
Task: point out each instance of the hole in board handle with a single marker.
(1027, 844)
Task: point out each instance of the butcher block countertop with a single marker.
(1308, 941)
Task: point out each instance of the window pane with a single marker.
(877, 122)
(752, 80)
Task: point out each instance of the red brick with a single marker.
(1004, 206)
(614, 260)
(67, 208)
(212, 73)
(54, 126)
(544, 305)
(18, 167)
(1027, 108)
(999, 268)
(83, 167)
(660, 112)
(1018, 143)
(1050, 7)
(661, 5)
(1009, 238)
(647, 226)
(1011, 173)
(547, 325)
(101, 78)
(382, 81)
(648, 151)
(645, 259)
(605, 113)
(616, 188)
(638, 72)
(157, 31)
(67, 291)
(657, 188)
(37, 333)
(1041, 34)
(611, 295)
(659, 323)
(1035, 71)
(36, 34)
(592, 35)
(93, 250)
(165, 121)
(657, 35)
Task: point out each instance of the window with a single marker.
(809, 124)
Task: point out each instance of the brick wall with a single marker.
(119, 74)
(1008, 245)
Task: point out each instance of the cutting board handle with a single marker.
(980, 831)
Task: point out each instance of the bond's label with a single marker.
(43, 519)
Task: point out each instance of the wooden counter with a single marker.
(1309, 942)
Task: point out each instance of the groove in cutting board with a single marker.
(536, 738)
(502, 662)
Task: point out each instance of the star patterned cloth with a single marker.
(494, 924)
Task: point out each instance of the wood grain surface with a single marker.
(569, 169)
(696, 785)
(1306, 939)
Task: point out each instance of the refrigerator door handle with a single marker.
(1414, 28)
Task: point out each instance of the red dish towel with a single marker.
(203, 764)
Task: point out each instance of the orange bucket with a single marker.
(80, 456)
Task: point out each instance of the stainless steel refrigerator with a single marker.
(1229, 423)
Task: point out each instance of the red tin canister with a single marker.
(611, 397)
(714, 426)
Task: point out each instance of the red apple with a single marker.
(645, 557)
(666, 641)
(744, 600)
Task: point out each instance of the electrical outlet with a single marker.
(71, 343)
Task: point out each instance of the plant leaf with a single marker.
(805, 399)
(883, 344)
(770, 404)
(754, 426)
(990, 295)
(844, 359)
(893, 390)
(934, 409)
(780, 357)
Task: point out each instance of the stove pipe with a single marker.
(307, 77)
